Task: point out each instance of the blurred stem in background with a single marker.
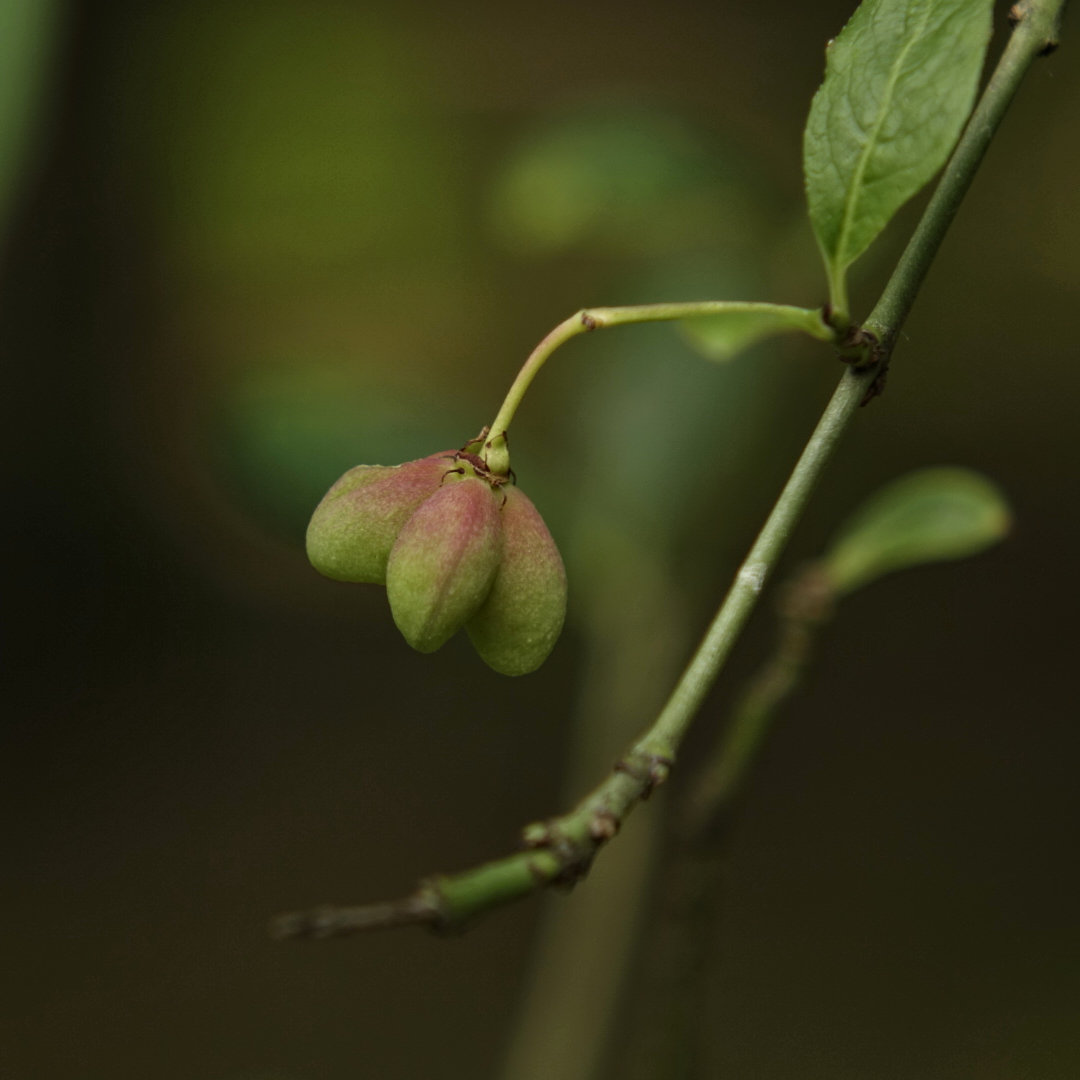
(564, 1019)
(584, 950)
(672, 1041)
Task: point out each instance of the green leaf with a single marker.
(722, 336)
(925, 516)
(900, 80)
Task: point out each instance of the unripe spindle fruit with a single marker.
(443, 563)
(355, 526)
(518, 624)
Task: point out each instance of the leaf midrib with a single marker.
(855, 187)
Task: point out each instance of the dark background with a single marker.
(252, 244)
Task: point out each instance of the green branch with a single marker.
(807, 604)
(560, 851)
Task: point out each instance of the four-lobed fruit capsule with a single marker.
(455, 546)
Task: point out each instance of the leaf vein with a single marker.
(869, 144)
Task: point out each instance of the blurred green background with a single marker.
(248, 245)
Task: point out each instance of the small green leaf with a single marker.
(722, 336)
(900, 80)
(925, 516)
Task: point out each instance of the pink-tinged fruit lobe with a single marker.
(520, 621)
(354, 527)
(443, 563)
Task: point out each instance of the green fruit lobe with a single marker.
(518, 624)
(354, 527)
(443, 563)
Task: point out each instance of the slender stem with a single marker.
(783, 315)
(807, 604)
(838, 297)
(667, 733)
(560, 851)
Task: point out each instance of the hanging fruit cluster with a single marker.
(455, 545)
